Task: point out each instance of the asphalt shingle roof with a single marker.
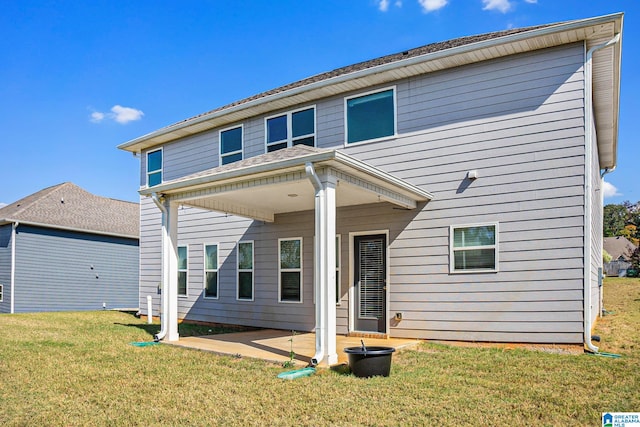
(618, 247)
(68, 206)
(395, 57)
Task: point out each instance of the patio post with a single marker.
(170, 269)
(329, 254)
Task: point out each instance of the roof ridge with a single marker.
(28, 201)
(369, 63)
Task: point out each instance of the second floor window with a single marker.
(154, 168)
(370, 116)
(293, 128)
(230, 145)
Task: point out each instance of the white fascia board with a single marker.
(283, 166)
(60, 227)
(179, 129)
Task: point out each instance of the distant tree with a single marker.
(635, 259)
(631, 233)
(614, 218)
(606, 257)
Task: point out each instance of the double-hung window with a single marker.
(211, 271)
(370, 116)
(1, 292)
(292, 128)
(474, 248)
(230, 145)
(245, 271)
(290, 269)
(182, 270)
(154, 168)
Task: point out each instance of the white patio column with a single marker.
(328, 241)
(170, 269)
(325, 265)
(325, 219)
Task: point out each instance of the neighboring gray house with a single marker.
(620, 249)
(64, 248)
(447, 192)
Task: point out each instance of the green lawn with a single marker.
(79, 369)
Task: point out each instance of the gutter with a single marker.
(321, 321)
(165, 300)
(64, 228)
(588, 214)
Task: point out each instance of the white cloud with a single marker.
(531, 1)
(383, 5)
(125, 114)
(2, 205)
(609, 190)
(501, 5)
(97, 117)
(431, 5)
(119, 114)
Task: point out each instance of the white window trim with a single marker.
(495, 246)
(246, 270)
(395, 117)
(241, 150)
(300, 270)
(290, 139)
(186, 280)
(161, 170)
(209, 270)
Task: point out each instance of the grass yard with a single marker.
(79, 369)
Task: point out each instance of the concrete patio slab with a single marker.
(275, 345)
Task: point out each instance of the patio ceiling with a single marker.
(274, 183)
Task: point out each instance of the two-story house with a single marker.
(447, 192)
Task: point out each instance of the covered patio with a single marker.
(294, 179)
(275, 345)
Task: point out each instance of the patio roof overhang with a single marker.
(264, 186)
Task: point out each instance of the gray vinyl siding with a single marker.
(518, 121)
(528, 148)
(5, 268)
(150, 256)
(68, 271)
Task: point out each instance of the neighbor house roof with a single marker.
(430, 58)
(69, 207)
(618, 247)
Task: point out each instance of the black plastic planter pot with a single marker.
(370, 361)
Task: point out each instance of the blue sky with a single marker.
(79, 78)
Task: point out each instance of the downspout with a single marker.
(165, 300)
(12, 278)
(320, 324)
(587, 189)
